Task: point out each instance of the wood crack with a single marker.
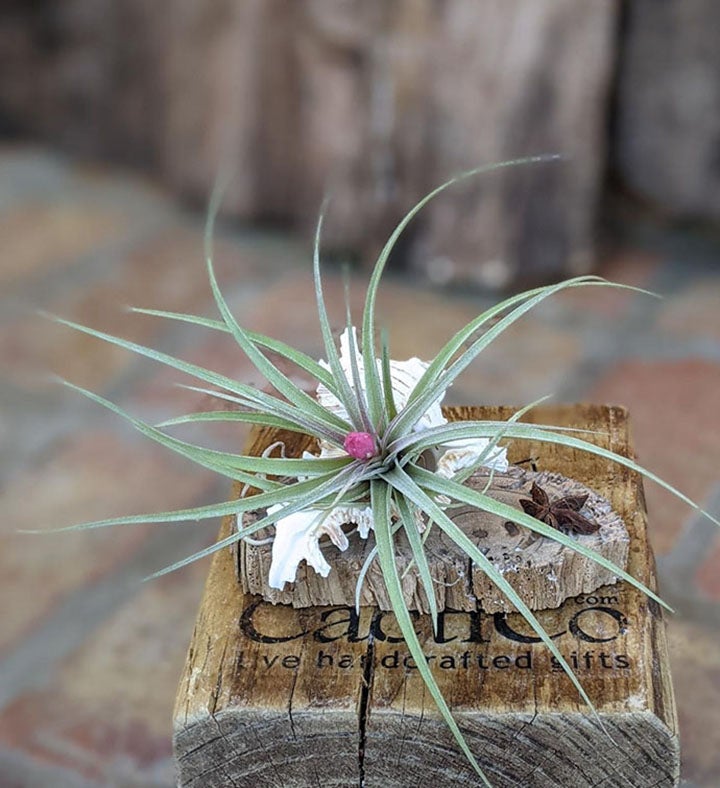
(365, 696)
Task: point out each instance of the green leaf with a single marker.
(466, 473)
(431, 386)
(387, 386)
(300, 399)
(418, 552)
(344, 391)
(479, 429)
(406, 486)
(380, 495)
(414, 443)
(222, 461)
(300, 426)
(371, 556)
(300, 359)
(307, 492)
(493, 442)
(252, 397)
(299, 503)
(435, 381)
(360, 397)
(372, 379)
(460, 492)
(232, 416)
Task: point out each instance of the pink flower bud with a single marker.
(360, 445)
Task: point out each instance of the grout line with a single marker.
(695, 541)
(20, 769)
(74, 274)
(677, 568)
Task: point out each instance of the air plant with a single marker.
(372, 435)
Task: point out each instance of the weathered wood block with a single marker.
(277, 696)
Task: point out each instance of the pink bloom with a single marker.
(360, 445)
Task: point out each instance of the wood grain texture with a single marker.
(278, 696)
(378, 101)
(668, 105)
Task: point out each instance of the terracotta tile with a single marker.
(695, 666)
(676, 426)
(693, 313)
(100, 745)
(108, 713)
(168, 272)
(708, 573)
(38, 237)
(31, 347)
(139, 652)
(94, 475)
(165, 272)
(628, 267)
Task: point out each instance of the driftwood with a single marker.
(544, 574)
(378, 101)
(278, 696)
(667, 134)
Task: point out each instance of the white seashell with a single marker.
(355, 515)
(293, 545)
(404, 375)
(297, 538)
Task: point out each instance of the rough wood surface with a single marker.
(378, 101)
(544, 574)
(667, 130)
(285, 697)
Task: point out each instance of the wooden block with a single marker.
(278, 696)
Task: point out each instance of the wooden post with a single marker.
(277, 696)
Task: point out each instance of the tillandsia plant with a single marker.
(374, 420)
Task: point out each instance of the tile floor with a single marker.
(89, 656)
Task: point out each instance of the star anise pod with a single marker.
(562, 514)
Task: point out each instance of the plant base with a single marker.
(543, 573)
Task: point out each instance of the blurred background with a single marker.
(116, 116)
